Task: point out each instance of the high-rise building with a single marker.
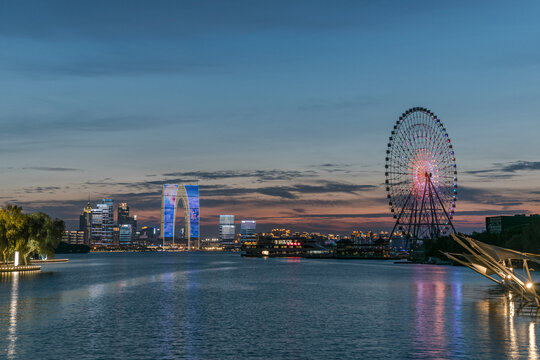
(497, 224)
(126, 234)
(116, 236)
(227, 230)
(150, 233)
(123, 214)
(107, 206)
(172, 193)
(85, 223)
(134, 233)
(102, 231)
(96, 230)
(123, 218)
(248, 230)
(73, 237)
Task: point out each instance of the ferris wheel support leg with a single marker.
(399, 216)
(422, 211)
(411, 225)
(445, 212)
(435, 230)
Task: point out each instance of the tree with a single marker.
(12, 226)
(29, 234)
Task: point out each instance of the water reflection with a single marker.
(192, 315)
(430, 317)
(533, 353)
(12, 308)
(12, 330)
(204, 308)
(505, 323)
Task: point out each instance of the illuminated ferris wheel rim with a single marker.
(420, 151)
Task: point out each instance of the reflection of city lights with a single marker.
(533, 353)
(12, 331)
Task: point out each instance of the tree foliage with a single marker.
(29, 234)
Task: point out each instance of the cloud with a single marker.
(490, 212)
(272, 203)
(290, 191)
(505, 171)
(44, 189)
(261, 175)
(127, 64)
(116, 39)
(40, 130)
(389, 216)
(521, 165)
(262, 178)
(332, 168)
(487, 197)
(349, 215)
(108, 20)
(45, 168)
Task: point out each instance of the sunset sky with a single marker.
(281, 109)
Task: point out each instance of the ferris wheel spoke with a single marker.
(420, 166)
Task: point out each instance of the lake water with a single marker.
(223, 306)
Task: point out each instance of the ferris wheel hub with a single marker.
(421, 176)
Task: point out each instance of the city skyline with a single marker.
(281, 111)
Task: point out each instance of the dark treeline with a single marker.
(525, 238)
(65, 248)
(29, 234)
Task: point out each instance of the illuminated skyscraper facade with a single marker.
(248, 230)
(125, 234)
(172, 193)
(123, 214)
(107, 206)
(101, 230)
(227, 230)
(123, 218)
(85, 223)
(96, 230)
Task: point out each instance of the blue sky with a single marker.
(105, 98)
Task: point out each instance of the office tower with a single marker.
(116, 236)
(76, 237)
(227, 230)
(107, 205)
(123, 214)
(73, 237)
(133, 223)
(497, 224)
(96, 230)
(248, 230)
(85, 223)
(125, 234)
(123, 218)
(172, 193)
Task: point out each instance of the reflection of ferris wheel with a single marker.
(421, 176)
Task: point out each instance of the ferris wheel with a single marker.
(421, 176)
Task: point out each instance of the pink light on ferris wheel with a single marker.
(421, 175)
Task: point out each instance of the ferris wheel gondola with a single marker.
(421, 176)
